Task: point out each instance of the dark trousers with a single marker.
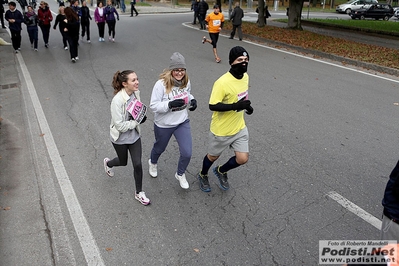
(45, 32)
(33, 35)
(111, 27)
(85, 28)
(64, 38)
(239, 30)
(2, 18)
(73, 45)
(101, 29)
(16, 39)
(135, 151)
(201, 18)
(196, 16)
(132, 8)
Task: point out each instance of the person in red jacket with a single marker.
(45, 18)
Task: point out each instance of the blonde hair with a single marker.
(168, 80)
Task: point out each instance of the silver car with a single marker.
(354, 5)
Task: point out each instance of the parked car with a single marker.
(376, 11)
(354, 5)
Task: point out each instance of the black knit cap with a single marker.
(236, 52)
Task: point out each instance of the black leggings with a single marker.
(111, 27)
(214, 38)
(135, 154)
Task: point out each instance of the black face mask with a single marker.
(238, 70)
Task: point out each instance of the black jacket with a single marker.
(202, 7)
(391, 195)
(85, 14)
(237, 15)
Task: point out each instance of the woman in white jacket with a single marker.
(125, 129)
(170, 98)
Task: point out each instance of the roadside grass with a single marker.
(357, 51)
(378, 25)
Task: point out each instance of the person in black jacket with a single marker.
(202, 9)
(15, 19)
(72, 30)
(85, 20)
(59, 19)
(236, 18)
(390, 218)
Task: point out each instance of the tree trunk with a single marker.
(261, 13)
(294, 14)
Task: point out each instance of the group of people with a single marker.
(69, 21)
(33, 20)
(171, 99)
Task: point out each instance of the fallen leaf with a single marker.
(197, 250)
(395, 103)
(7, 208)
(108, 249)
(41, 135)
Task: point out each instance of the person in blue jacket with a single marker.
(110, 13)
(15, 19)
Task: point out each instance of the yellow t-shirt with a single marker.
(214, 22)
(227, 89)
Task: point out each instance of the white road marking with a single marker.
(350, 206)
(87, 242)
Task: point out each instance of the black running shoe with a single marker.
(223, 183)
(204, 182)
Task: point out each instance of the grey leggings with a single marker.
(135, 154)
(182, 134)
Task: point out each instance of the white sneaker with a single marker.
(113, 40)
(183, 181)
(152, 169)
(88, 41)
(66, 48)
(77, 58)
(108, 170)
(100, 39)
(142, 198)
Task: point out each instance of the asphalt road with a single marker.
(318, 128)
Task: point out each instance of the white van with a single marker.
(353, 5)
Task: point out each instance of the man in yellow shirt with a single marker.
(229, 99)
(214, 23)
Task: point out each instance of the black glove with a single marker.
(241, 105)
(176, 103)
(249, 110)
(144, 119)
(193, 104)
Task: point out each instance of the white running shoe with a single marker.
(108, 170)
(77, 58)
(142, 198)
(66, 48)
(183, 181)
(100, 39)
(152, 169)
(113, 40)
